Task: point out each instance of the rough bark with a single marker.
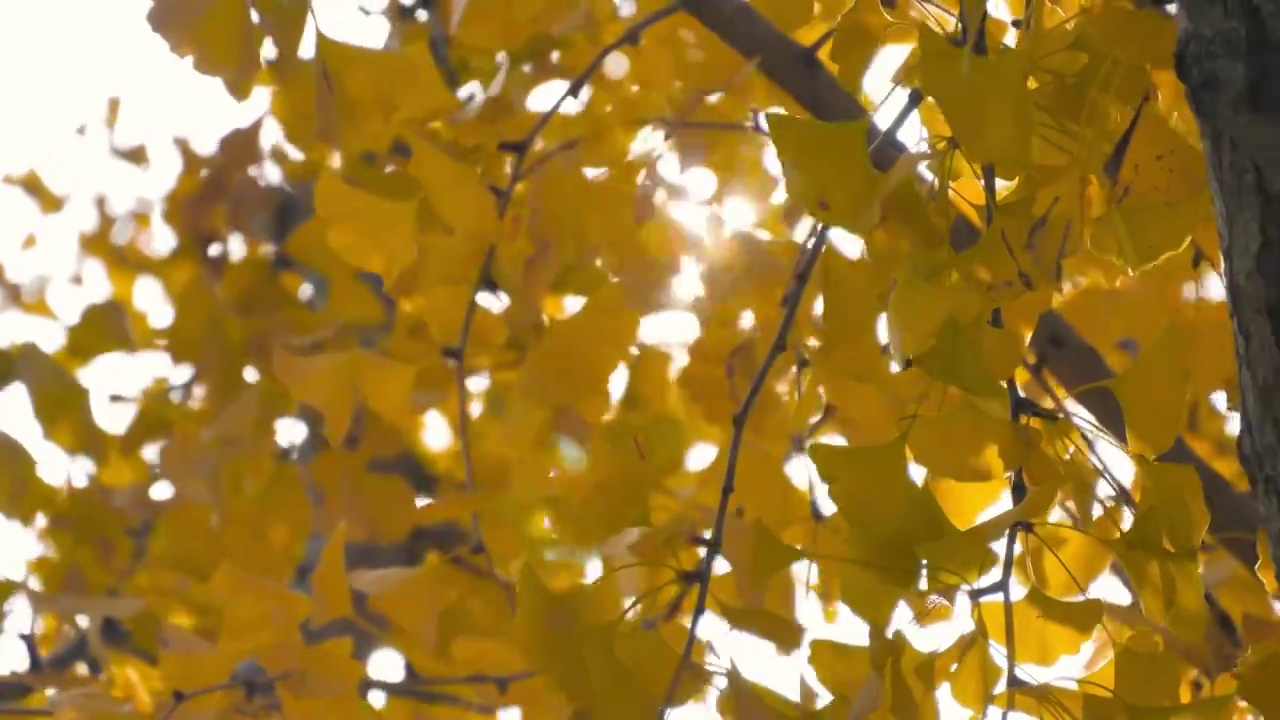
(1228, 58)
(1057, 347)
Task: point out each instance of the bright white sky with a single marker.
(62, 62)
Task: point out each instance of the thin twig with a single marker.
(459, 358)
(522, 147)
(1087, 437)
(438, 42)
(793, 296)
(251, 687)
(500, 682)
(1018, 493)
(1006, 591)
(16, 687)
(674, 125)
(409, 690)
(521, 150)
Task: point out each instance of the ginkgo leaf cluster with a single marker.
(427, 410)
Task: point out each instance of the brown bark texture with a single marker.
(1056, 346)
(1228, 58)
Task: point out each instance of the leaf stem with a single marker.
(251, 686)
(793, 297)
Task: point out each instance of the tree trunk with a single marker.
(1228, 58)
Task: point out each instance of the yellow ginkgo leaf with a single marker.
(845, 670)
(413, 599)
(854, 296)
(968, 443)
(387, 384)
(105, 327)
(335, 383)
(1149, 678)
(22, 492)
(745, 699)
(1045, 629)
(974, 679)
(1153, 391)
(1257, 678)
(918, 308)
(861, 33)
(258, 612)
(985, 99)
(756, 554)
(1160, 163)
(964, 502)
(1063, 562)
(60, 402)
(372, 94)
(563, 371)
(1139, 38)
(952, 358)
(284, 21)
(341, 295)
(457, 193)
(218, 35)
(828, 169)
(858, 474)
(325, 382)
(371, 219)
(508, 24)
(545, 621)
(1175, 494)
(293, 707)
(1166, 582)
(326, 670)
(783, 632)
(330, 592)
(1139, 235)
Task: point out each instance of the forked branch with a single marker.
(521, 149)
(792, 301)
(1076, 366)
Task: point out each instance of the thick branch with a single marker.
(1058, 348)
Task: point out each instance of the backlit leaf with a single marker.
(1045, 629)
(829, 170)
(218, 35)
(371, 94)
(984, 97)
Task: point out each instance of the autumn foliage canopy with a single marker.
(715, 336)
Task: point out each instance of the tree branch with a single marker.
(792, 301)
(1058, 348)
(412, 691)
(15, 688)
(522, 149)
(1018, 493)
(1234, 518)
